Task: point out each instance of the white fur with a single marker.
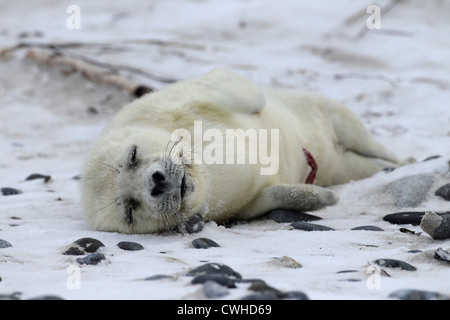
(342, 147)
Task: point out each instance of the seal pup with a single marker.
(144, 175)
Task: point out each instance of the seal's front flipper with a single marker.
(193, 225)
(298, 197)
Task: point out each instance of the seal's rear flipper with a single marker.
(353, 136)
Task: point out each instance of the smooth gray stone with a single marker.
(310, 226)
(411, 191)
(393, 263)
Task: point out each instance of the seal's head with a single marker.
(131, 185)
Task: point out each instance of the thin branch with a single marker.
(365, 77)
(87, 70)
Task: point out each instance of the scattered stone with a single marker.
(193, 225)
(130, 246)
(282, 216)
(261, 295)
(157, 277)
(262, 291)
(287, 262)
(368, 228)
(306, 226)
(436, 225)
(92, 259)
(415, 251)
(4, 244)
(392, 263)
(11, 296)
(413, 294)
(10, 191)
(444, 192)
(212, 289)
(350, 280)
(264, 288)
(251, 281)
(347, 271)
(413, 218)
(441, 254)
(47, 297)
(84, 245)
(294, 295)
(411, 191)
(74, 251)
(204, 243)
(38, 176)
(214, 268)
(217, 278)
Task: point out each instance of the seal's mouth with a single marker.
(183, 186)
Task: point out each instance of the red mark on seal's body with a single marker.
(314, 167)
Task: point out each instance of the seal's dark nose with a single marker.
(160, 183)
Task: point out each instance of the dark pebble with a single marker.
(84, 245)
(38, 176)
(441, 254)
(310, 226)
(262, 291)
(413, 218)
(368, 228)
(204, 243)
(350, 280)
(444, 192)
(130, 246)
(92, 259)
(213, 290)
(262, 295)
(10, 191)
(214, 268)
(347, 271)
(217, 278)
(89, 244)
(4, 244)
(250, 281)
(392, 263)
(264, 287)
(294, 295)
(11, 296)
(194, 224)
(281, 216)
(74, 251)
(412, 294)
(415, 251)
(46, 297)
(157, 277)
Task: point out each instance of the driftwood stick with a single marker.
(87, 70)
(361, 76)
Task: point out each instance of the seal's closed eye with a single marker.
(132, 157)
